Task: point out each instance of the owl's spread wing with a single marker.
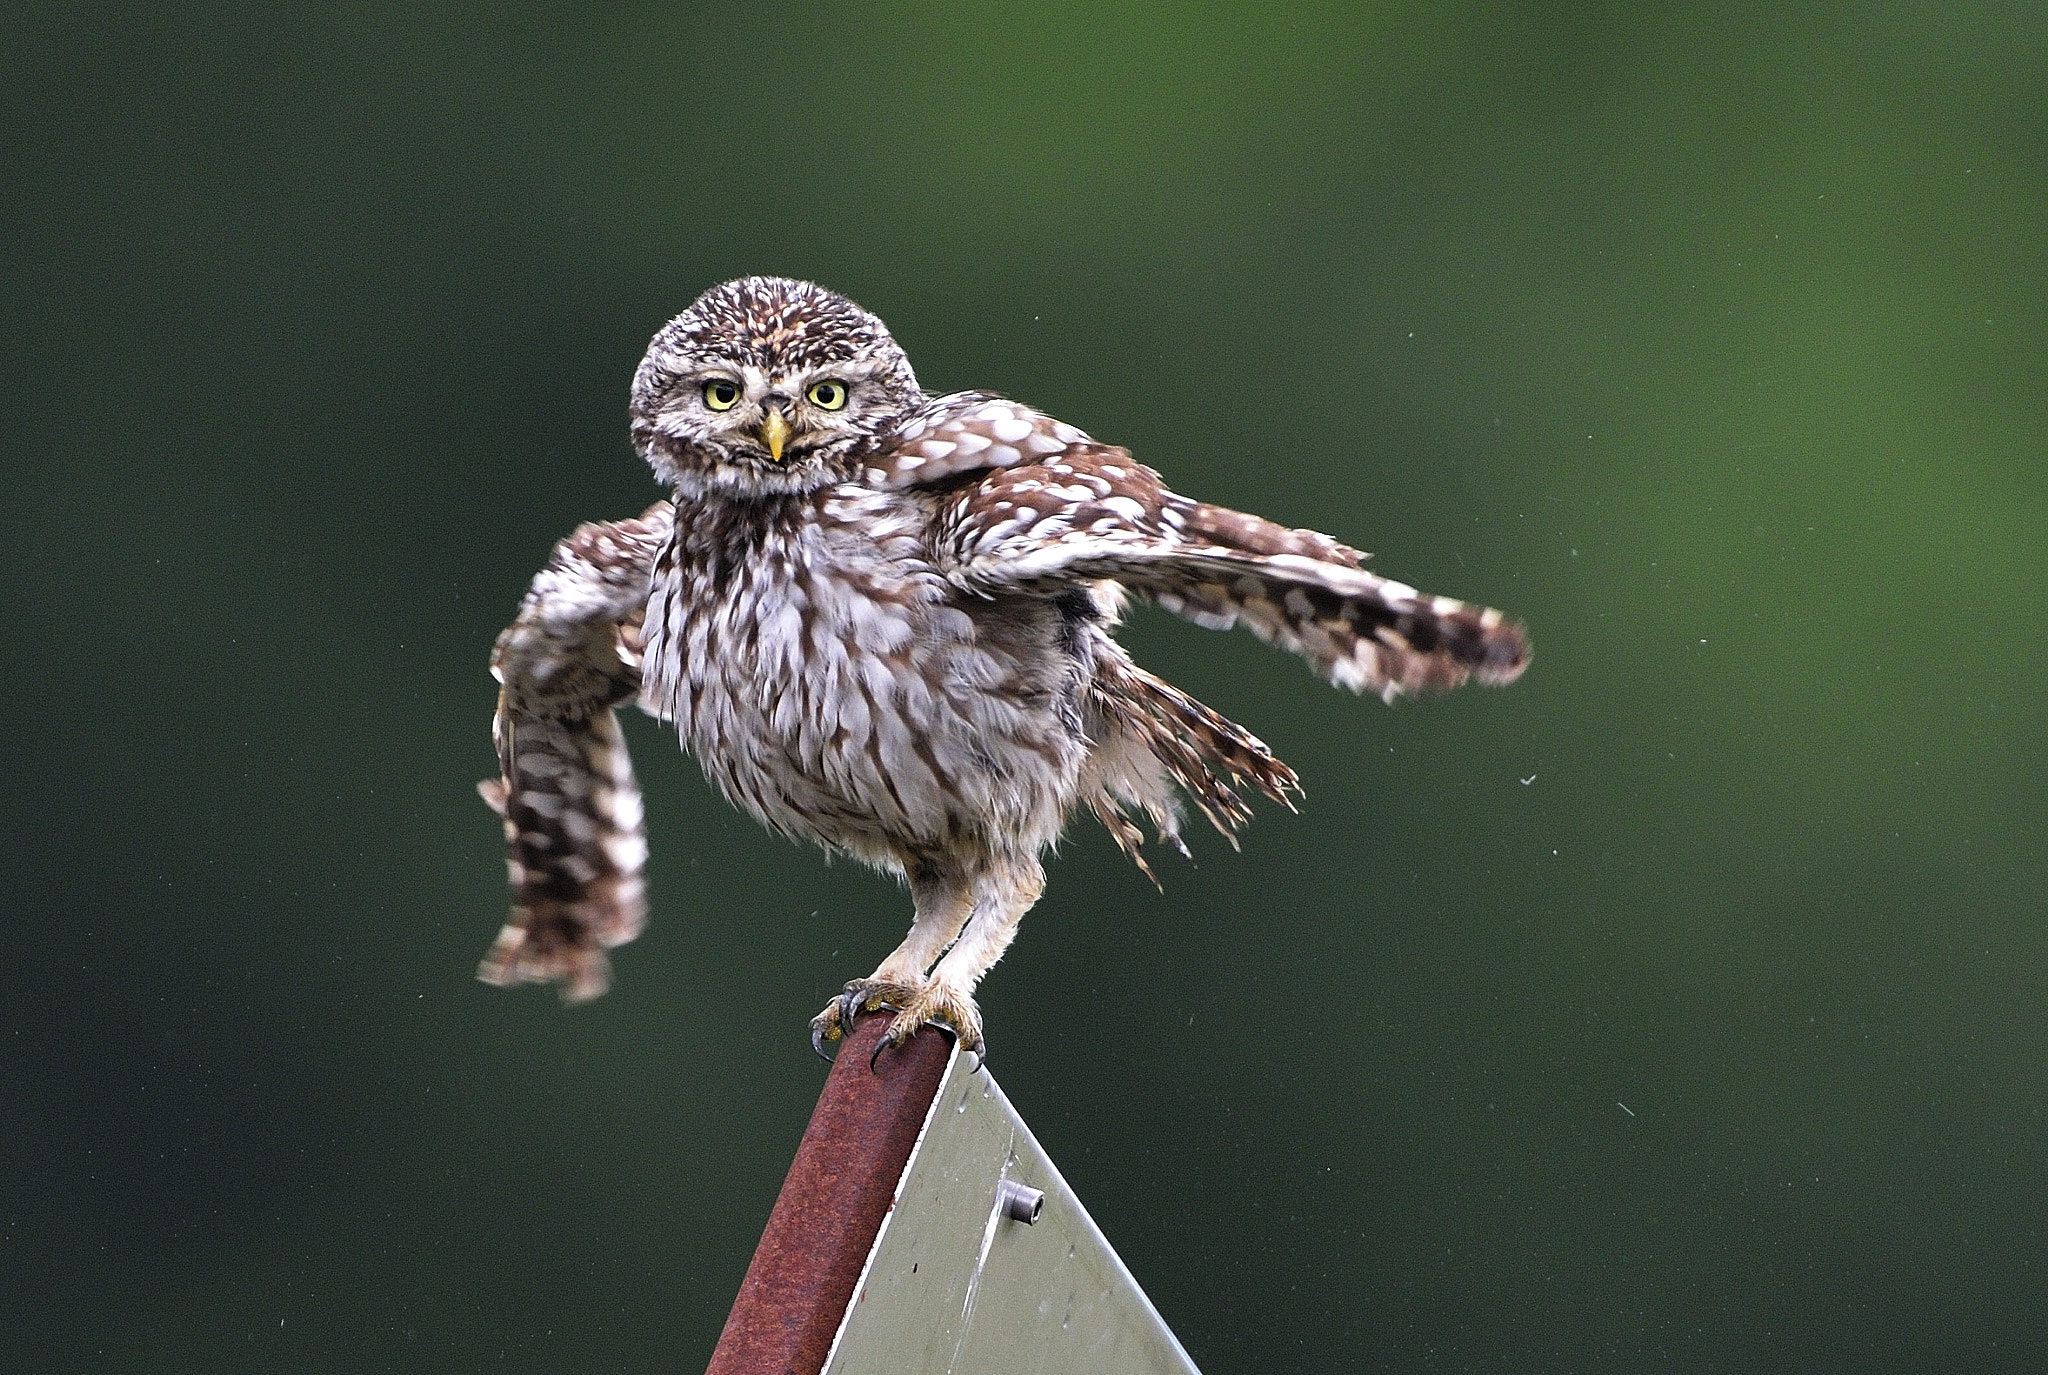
(1085, 511)
(965, 432)
(574, 846)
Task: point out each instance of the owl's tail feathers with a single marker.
(574, 851)
(1160, 740)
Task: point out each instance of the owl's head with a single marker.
(766, 385)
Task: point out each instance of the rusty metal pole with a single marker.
(832, 1204)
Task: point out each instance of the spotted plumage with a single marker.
(883, 622)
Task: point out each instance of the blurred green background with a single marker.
(1681, 1006)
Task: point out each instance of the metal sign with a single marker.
(987, 1262)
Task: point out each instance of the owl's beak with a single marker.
(775, 433)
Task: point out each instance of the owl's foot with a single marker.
(862, 995)
(937, 1003)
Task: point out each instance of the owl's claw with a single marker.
(889, 1040)
(862, 995)
(936, 1005)
(834, 1022)
(849, 1007)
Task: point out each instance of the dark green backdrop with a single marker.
(1681, 1006)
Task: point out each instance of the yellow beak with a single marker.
(775, 432)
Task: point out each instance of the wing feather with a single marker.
(965, 432)
(574, 843)
(1091, 513)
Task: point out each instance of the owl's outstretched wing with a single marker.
(1051, 508)
(574, 847)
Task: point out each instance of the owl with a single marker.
(884, 623)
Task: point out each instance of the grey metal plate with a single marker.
(953, 1285)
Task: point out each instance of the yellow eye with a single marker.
(721, 393)
(827, 396)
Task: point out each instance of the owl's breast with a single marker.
(834, 685)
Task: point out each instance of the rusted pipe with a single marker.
(832, 1204)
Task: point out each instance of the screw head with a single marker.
(1019, 1202)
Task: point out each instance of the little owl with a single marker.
(883, 622)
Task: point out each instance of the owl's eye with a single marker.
(827, 396)
(721, 393)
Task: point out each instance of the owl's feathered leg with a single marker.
(1003, 893)
(944, 897)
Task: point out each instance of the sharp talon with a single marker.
(880, 1046)
(849, 1009)
(818, 1045)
